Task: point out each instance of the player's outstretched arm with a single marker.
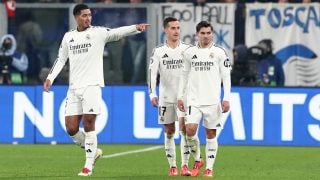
(121, 32)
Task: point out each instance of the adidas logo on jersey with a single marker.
(194, 57)
(165, 56)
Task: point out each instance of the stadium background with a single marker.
(259, 116)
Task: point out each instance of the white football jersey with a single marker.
(204, 70)
(168, 63)
(85, 53)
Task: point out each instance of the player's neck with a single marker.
(204, 45)
(80, 29)
(173, 43)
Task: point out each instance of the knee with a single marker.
(72, 130)
(89, 122)
(190, 131)
(170, 129)
(211, 133)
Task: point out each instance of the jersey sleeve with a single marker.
(152, 74)
(118, 33)
(225, 69)
(60, 61)
(184, 76)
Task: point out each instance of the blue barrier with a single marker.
(259, 116)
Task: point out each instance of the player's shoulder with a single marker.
(99, 28)
(69, 34)
(190, 50)
(162, 45)
(159, 47)
(74, 30)
(219, 48)
(191, 47)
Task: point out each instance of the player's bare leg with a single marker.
(211, 151)
(185, 150)
(170, 148)
(72, 125)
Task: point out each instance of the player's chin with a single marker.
(176, 37)
(87, 24)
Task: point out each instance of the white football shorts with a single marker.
(211, 115)
(85, 100)
(168, 113)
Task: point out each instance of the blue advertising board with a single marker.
(258, 116)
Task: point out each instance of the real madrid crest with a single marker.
(88, 36)
(162, 118)
(211, 55)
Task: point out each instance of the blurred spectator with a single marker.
(270, 71)
(199, 2)
(49, 1)
(134, 53)
(239, 65)
(107, 1)
(241, 74)
(13, 64)
(29, 37)
(114, 50)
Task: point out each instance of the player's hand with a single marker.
(181, 106)
(225, 106)
(154, 102)
(46, 85)
(142, 27)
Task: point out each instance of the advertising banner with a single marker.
(258, 116)
(220, 15)
(294, 29)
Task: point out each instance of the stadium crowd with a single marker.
(126, 59)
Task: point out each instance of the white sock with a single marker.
(91, 148)
(211, 152)
(78, 138)
(185, 150)
(194, 145)
(170, 149)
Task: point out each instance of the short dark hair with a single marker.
(167, 20)
(203, 24)
(78, 8)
